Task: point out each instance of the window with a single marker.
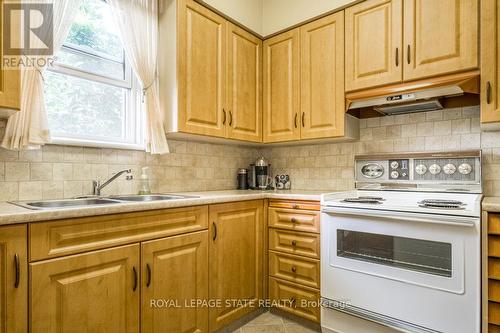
(91, 95)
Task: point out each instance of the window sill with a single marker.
(95, 144)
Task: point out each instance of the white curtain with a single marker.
(28, 128)
(138, 24)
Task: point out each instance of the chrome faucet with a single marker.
(97, 184)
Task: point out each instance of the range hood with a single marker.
(417, 96)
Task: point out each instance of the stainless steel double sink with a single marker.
(96, 201)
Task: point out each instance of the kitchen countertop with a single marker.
(12, 214)
(491, 204)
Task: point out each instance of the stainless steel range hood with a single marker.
(418, 96)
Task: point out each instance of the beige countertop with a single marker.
(491, 204)
(12, 214)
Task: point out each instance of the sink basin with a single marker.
(152, 197)
(69, 203)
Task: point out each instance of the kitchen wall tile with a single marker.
(10, 191)
(17, 171)
(41, 171)
(30, 190)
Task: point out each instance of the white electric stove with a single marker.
(402, 252)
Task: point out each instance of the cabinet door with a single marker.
(235, 271)
(9, 78)
(282, 87)
(201, 66)
(373, 35)
(13, 280)
(322, 77)
(440, 37)
(91, 292)
(175, 269)
(490, 61)
(244, 85)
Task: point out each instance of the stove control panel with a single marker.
(399, 169)
(450, 170)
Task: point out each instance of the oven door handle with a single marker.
(400, 216)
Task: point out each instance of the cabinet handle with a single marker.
(488, 92)
(230, 118)
(295, 121)
(295, 206)
(215, 231)
(17, 270)
(135, 278)
(148, 270)
(303, 119)
(397, 56)
(294, 269)
(293, 219)
(408, 55)
(223, 117)
(294, 243)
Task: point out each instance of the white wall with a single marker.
(281, 14)
(246, 12)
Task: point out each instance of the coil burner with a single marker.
(441, 204)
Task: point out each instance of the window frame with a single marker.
(134, 118)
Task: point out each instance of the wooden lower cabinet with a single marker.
(235, 256)
(13, 279)
(174, 274)
(91, 292)
(295, 299)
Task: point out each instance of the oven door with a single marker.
(412, 248)
(406, 268)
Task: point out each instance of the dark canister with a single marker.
(242, 179)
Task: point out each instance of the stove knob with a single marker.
(449, 169)
(421, 169)
(394, 175)
(465, 168)
(434, 169)
(394, 165)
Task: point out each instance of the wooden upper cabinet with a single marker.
(10, 79)
(91, 292)
(201, 67)
(282, 87)
(322, 77)
(244, 85)
(236, 251)
(440, 37)
(175, 269)
(490, 61)
(373, 37)
(13, 280)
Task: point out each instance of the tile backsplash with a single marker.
(64, 171)
(329, 167)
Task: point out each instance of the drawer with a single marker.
(295, 204)
(494, 268)
(494, 290)
(300, 243)
(63, 237)
(494, 223)
(494, 313)
(494, 246)
(292, 219)
(298, 300)
(295, 269)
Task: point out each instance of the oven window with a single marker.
(412, 254)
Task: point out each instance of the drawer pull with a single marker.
(295, 206)
(17, 270)
(293, 219)
(215, 231)
(134, 288)
(294, 269)
(294, 243)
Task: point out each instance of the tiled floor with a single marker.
(271, 323)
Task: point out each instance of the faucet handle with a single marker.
(129, 177)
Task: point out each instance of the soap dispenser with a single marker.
(144, 182)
